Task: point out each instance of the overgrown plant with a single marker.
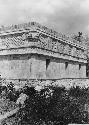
(62, 107)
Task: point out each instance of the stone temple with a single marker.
(32, 51)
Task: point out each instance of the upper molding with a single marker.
(33, 26)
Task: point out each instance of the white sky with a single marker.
(66, 16)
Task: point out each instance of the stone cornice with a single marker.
(33, 50)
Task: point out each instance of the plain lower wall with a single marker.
(34, 66)
(57, 69)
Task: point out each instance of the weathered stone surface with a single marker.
(34, 66)
(33, 34)
(25, 48)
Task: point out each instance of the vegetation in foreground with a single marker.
(51, 106)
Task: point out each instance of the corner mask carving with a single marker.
(31, 36)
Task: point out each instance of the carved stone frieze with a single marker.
(73, 51)
(30, 36)
(66, 49)
(41, 41)
(55, 44)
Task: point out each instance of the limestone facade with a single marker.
(32, 51)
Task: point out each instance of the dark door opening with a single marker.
(66, 65)
(47, 63)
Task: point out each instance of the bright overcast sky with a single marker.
(66, 16)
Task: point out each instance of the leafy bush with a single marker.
(53, 105)
(63, 107)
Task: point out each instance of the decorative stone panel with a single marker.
(38, 36)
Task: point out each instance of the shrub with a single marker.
(54, 105)
(63, 107)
